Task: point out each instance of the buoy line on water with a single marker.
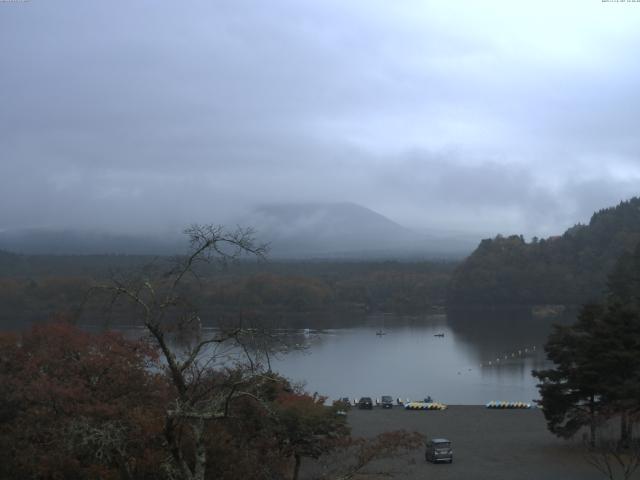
(509, 355)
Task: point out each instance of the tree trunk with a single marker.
(296, 468)
(174, 448)
(592, 423)
(624, 430)
(201, 451)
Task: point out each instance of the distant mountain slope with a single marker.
(341, 230)
(313, 230)
(567, 269)
(10, 262)
(80, 242)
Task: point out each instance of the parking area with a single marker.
(487, 444)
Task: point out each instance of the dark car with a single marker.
(365, 402)
(386, 401)
(439, 450)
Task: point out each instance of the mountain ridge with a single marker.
(343, 229)
(337, 230)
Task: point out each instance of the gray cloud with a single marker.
(483, 118)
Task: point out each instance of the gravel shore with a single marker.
(488, 444)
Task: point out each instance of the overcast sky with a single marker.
(485, 117)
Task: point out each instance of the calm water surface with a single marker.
(479, 358)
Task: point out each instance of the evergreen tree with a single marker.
(618, 339)
(596, 373)
(571, 391)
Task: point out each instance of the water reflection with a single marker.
(481, 357)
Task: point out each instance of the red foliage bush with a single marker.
(78, 405)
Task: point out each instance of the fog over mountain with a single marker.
(143, 117)
(43, 241)
(345, 229)
(318, 230)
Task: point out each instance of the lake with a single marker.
(480, 357)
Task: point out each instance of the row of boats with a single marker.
(500, 405)
(429, 404)
(425, 406)
(386, 400)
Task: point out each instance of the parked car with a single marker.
(386, 401)
(438, 450)
(365, 403)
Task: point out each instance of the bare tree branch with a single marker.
(611, 459)
(163, 309)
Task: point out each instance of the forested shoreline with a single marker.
(36, 288)
(570, 269)
(545, 275)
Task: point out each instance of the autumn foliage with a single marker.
(188, 404)
(78, 405)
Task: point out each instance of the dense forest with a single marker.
(37, 287)
(505, 271)
(569, 269)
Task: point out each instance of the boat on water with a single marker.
(380, 333)
(438, 334)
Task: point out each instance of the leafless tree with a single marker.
(358, 453)
(612, 459)
(162, 304)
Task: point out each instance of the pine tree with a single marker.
(596, 373)
(571, 391)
